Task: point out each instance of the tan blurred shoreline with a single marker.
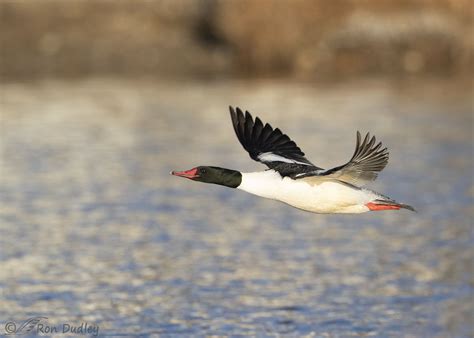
(207, 39)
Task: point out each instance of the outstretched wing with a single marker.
(267, 145)
(368, 160)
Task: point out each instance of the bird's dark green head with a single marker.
(222, 176)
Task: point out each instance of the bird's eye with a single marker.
(203, 171)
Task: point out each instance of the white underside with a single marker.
(326, 196)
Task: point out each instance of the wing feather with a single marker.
(276, 150)
(267, 145)
(366, 162)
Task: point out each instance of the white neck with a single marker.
(261, 183)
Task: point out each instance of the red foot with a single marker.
(376, 207)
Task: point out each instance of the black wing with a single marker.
(269, 146)
(368, 160)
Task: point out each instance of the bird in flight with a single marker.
(294, 180)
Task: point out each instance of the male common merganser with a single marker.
(294, 180)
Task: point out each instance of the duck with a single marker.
(292, 179)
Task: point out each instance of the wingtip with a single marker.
(248, 116)
(232, 113)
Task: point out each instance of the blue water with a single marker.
(93, 228)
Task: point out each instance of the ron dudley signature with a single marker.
(39, 325)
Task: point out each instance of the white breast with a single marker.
(325, 197)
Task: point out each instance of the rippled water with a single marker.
(93, 228)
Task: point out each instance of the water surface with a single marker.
(93, 228)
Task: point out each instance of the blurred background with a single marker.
(208, 39)
(100, 100)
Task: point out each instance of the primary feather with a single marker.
(365, 164)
